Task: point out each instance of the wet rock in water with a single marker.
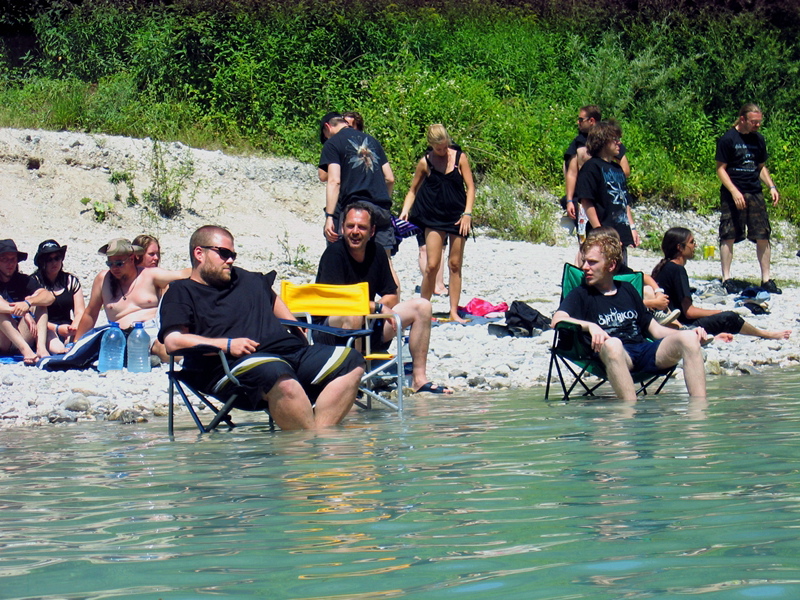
(126, 415)
(77, 403)
(749, 370)
(61, 417)
(476, 381)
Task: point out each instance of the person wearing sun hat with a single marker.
(21, 295)
(65, 312)
(128, 293)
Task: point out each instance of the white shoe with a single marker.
(665, 318)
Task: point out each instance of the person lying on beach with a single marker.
(128, 293)
(679, 246)
(615, 317)
(19, 294)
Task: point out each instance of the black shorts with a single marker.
(733, 222)
(313, 366)
(643, 356)
(725, 322)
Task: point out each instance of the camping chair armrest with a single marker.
(567, 325)
(205, 349)
(335, 331)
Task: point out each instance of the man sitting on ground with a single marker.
(615, 317)
(18, 295)
(355, 258)
(128, 293)
(237, 311)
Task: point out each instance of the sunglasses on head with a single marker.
(224, 253)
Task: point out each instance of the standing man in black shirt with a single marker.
(602, 187)
(303, 387)
(741, 158)
(615, 317)
(358, 170)
(576, 154)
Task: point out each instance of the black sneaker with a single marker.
(771, 287)
(730, 286)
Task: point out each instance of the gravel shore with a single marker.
(274, 208)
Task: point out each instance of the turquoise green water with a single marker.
(480, 496)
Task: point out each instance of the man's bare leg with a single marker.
(415, 313)
(748, 329)
(726, 257)
(289, 406)
(336, 400)
(686, 345)
(618, 368)
(764, 254)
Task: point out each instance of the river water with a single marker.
(482, 495)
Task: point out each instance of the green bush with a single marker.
(506, 79)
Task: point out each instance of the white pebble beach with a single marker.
(274, 209)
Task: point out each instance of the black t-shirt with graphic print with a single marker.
(604, 184)
(622, 315)
(361, 158)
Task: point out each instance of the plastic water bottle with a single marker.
(138, 350)
(112, 349)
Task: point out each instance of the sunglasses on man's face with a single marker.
(224, 253)
(116, 263)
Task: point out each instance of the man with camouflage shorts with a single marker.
(741, 154)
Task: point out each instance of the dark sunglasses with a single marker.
(224, 253)
(54, 257)
(116, 263)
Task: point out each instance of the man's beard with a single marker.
(219, 278)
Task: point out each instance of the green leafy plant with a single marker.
(118, 178)
(295, 257)
(100, 210)
(168, 183)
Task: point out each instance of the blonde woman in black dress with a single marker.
(440, 203)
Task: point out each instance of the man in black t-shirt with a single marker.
(355, 259)
(302, 386)
(741, 158)
(602, 188)
(615, 317)
(576, 155)
(18, 295)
